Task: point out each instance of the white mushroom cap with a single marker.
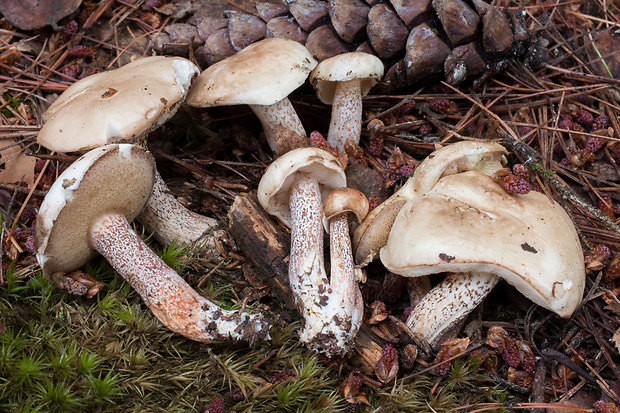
(468, 223)
(373, 232)
(94, 184)
(347, 201)
(314, 163)
(344, 67)
(261, 74)
(119, 105)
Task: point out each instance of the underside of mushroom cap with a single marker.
(116, 106)
(313, 163)
(468, 223)
(343, 67)
(111, 179)
(261, 74)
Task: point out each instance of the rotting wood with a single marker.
(263, 243)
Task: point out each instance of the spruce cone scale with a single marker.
(459, 39)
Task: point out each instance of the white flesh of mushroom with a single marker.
(281, 114)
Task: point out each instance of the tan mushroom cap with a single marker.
(345, 200)
(274, 187)
(95, 184)
(468, 223)
(261, 74)
(343, 67)
(373, 232)
(119, 105)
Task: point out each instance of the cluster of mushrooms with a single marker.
(450, 217)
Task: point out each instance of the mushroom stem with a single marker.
(306, 265)
(282, 114)
(346, 298)
(186, 228)
(346, 118)
(174, 302)
(440, 313)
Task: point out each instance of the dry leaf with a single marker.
(616, 339)
(16, 164)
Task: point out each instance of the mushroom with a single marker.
(124, 105)
(341, 81)
(342, 206)
(373, 232)
(293, 189)
(88, 210)
(262, 76)
(469, 226)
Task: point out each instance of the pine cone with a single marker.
(458, 39)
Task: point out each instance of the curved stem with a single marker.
(440, 312)
(174, 302)
(169, 221)
(283, 128)
(346, 121)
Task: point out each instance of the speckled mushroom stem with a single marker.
(169, 221)
(443, 309)
(346, 117)
(283, 114)
(174, 302)
(306, 264)
(346, 298)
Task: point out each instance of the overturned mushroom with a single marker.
(462, 156)
(88, 210)
(262, 76)
(293, 189)
(124, 105)
(342, 81)
(469, 226)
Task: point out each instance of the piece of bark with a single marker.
(409, 10)
(308, 13)
(426, 53)
(497, 34)
(245, 29)
(287, 28)
(323, 42)
(458, 19)
(264, 243)
(386, 32)
(349, 18)
(463, 62)
(268, 9)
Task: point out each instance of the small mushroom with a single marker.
(373, 232)
(342, 81)
(124, 105)
(342, 206)
(88, 210)
(262, 76)
(469, 226)
(293, 189)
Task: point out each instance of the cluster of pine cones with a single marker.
(456, 39)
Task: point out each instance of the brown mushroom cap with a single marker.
(95, 184)
(344, 67)
(275, 185)
(119, 105)
(468, 223)
(349, 201)
(261, 74)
